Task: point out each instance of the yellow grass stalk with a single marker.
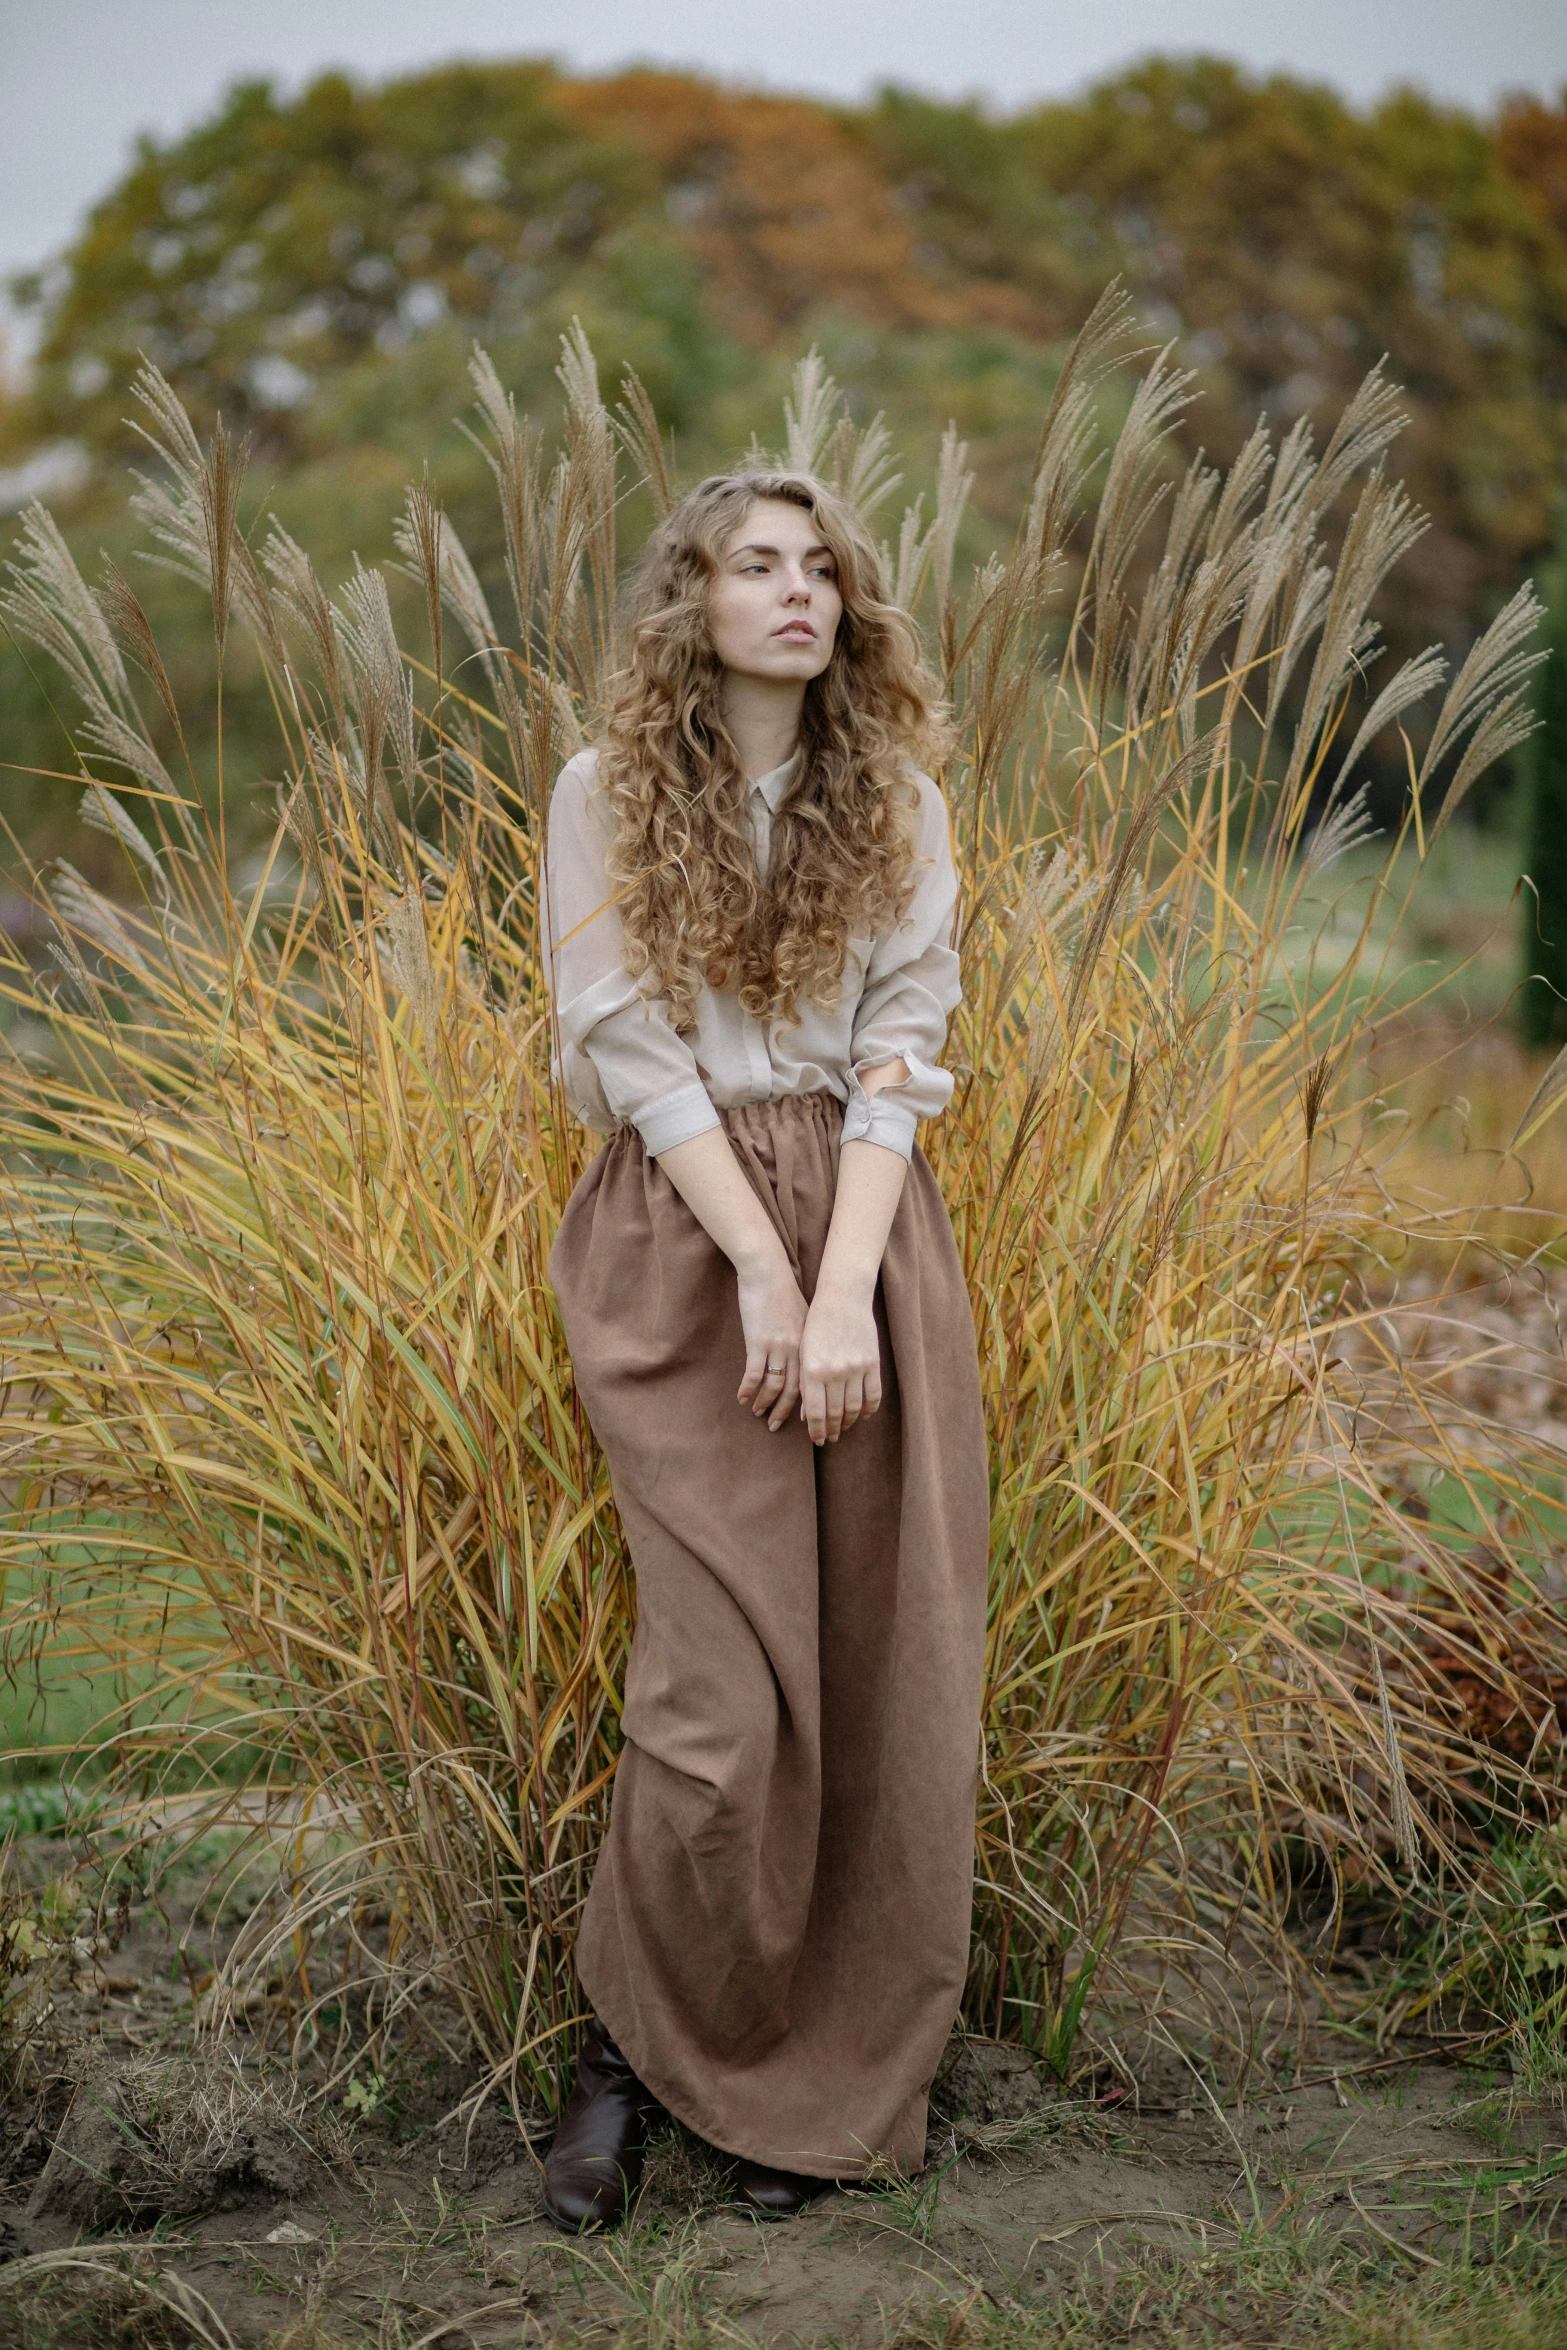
(286, 1405)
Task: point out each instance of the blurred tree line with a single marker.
(317, 269)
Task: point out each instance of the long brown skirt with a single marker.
(778, 1926)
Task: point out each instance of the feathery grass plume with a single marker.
(1132, 495)
(126, 615)
(641, 436)
(421, 538)
(1345, 824)
(810, 414)
(96, 918)
(50, 602)
(194, 512)
(298, 1439)
(100, 811)
(954, 483)
(306, 604)
(862, 464)
(587, 492)
(50, 605)
(408, 957)
(820, 438)
(1491, 695)
(437, 559)
(1069, 439)
(513, 461)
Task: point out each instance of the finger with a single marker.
(755, 1372)
(773, 1378)
(790, 1396)
(834, 1395)
(813, 1408)
(872, 1403)
(853, 1400)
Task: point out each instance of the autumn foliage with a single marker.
(1283, 241)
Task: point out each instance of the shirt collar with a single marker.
(774, 785)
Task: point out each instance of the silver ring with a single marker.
(777, 1369)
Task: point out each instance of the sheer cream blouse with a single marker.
(620, 1059)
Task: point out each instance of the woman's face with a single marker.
(775, 606)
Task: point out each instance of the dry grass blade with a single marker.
(162, 2288)
(1544, 1102)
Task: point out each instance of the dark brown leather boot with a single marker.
(593, 2166)
(775, 2194)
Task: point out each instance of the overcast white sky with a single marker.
(79, 78)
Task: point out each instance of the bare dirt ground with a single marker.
(373, 2216)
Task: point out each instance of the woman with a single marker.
(750, 907)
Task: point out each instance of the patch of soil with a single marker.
(162, 2138)
(985, 2081)
(284, 2202)
(268, 2211)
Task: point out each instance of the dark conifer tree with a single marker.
(1543, 997)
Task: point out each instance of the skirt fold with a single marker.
(777, 1930)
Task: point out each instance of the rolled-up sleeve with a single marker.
(912, 988)
(618, 1055)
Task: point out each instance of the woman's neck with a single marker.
(763, 718)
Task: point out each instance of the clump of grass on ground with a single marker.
(171, 2138)
(287, 1403)
(104, 2301)
(1494, 1962)
(1339, 2301)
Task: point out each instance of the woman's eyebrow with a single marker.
(755, 547)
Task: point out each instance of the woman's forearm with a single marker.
(707, 1176)
(840, 1352)
(870, 1185)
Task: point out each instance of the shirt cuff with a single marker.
(677, 1118)
(871, 1117)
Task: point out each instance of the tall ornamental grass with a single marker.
(288, 1423)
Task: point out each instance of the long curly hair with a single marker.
(693, 905)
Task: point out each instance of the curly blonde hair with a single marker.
(693, 906)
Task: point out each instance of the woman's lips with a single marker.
(798, 629)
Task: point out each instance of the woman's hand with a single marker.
(773, 1318)
(840, 1363)
(827, 1361)
(707, 1176)
(840, 1360)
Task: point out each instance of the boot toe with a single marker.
(776, 2194)
(587, 2195)
(593, 2169)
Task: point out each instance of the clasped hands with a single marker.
(823, 1357)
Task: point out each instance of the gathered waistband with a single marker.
(757, 1119)
(822, 1105)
